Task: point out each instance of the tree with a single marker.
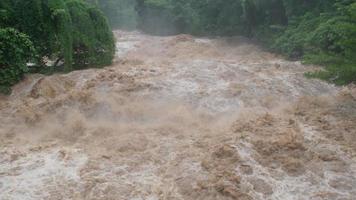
(16, 50)
(59, 30)
(69, 32)
(93, 41)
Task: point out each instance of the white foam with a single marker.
(28, 177)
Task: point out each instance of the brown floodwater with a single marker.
(179, 117)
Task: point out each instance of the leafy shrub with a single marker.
(71, 32)
(93, 41)
(16, 49)
(326, 37)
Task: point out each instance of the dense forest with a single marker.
(75, 34)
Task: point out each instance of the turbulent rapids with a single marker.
(179, 118)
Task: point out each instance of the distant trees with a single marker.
(121, 13)
(72, 33)
(319, 31)
(159, 16)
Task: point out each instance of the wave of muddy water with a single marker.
(179, 118)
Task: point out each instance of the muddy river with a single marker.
(180, 118)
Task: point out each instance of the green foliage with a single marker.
(71, 31)
(120, 13)
(62, 27)
(199, 17)
(326, 37)
(338, 69)
(93, 41)
(317, 31)
(15, 51)
(156, 17)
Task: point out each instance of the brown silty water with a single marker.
(179, 118)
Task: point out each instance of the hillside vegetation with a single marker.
(317, 31)
(48, 35)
